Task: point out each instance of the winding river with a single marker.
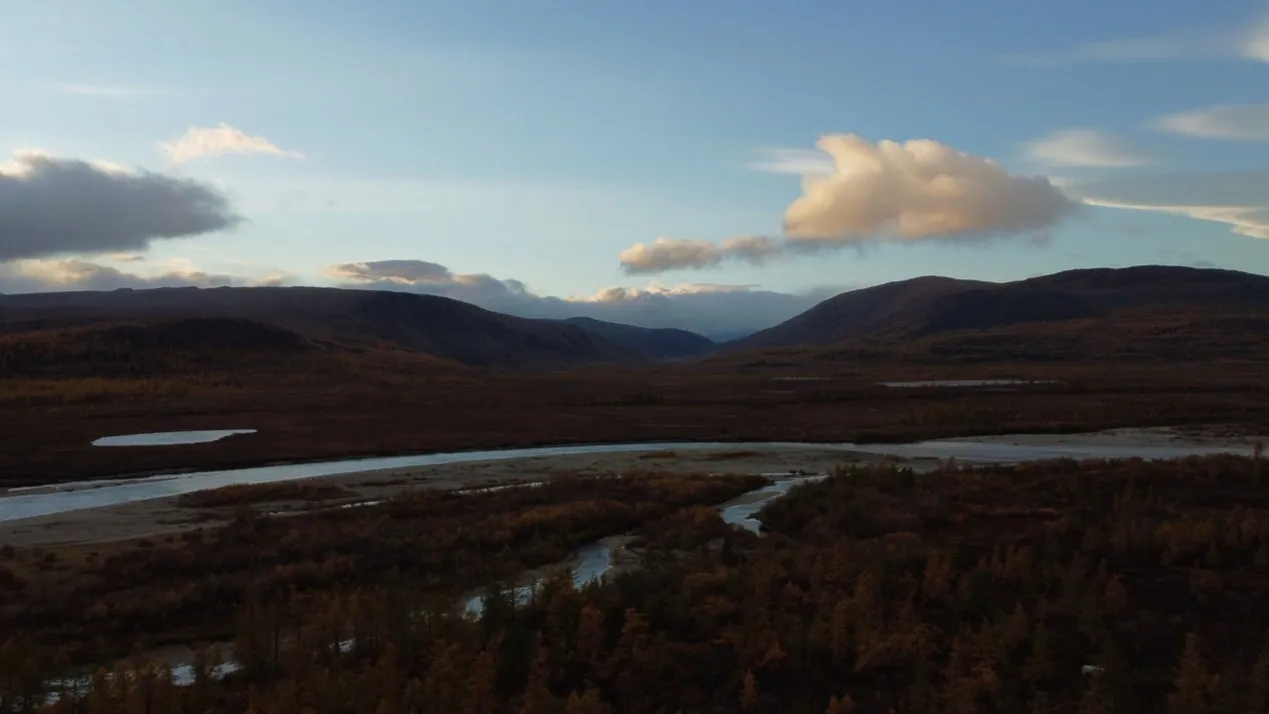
(76, 496)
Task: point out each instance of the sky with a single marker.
(717, 166)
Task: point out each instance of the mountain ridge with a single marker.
(928, 306)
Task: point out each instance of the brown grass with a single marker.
(247, 494)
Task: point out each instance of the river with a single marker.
(76, 496)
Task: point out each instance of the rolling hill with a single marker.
(928, 310)
(437, 326)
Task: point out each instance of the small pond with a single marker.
(170, 438)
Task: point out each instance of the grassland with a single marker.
(326, 406)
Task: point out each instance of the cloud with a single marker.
(198, 142)
(921, 190)
(51, 205)
(26, 276)
(918, 190)
(801, 162)
(1084, 147)
(1254, 44)
(669, 253)
(1246, 41)
(707, 308)
(1239, 200)
(1239, 122)
(406, 272)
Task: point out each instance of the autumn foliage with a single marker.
(1064, 586)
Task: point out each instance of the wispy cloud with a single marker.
(1086, 148)
(106, 90)
(198, 142)
(1242, 122)
(799, 162)
(1238, 200)
(1244, 41)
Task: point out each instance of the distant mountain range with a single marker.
(1155, 309)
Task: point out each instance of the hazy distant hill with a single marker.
(437, 326)
(653, 343)
(905, 313)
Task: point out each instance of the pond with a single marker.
(170, 438)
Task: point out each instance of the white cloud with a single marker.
(918, 190)
(1254, 43)
(198, 142)
(1239, 200)
(800, 162)
(1084, 147)
(51, 206)
(921, 190)
(706, 308)
(1241, 41)
(1241, 122)
(1250, 221)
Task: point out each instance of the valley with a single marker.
(359, 458)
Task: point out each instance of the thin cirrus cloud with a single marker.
(1240, 200)
(918, 191)
(51, 206)
(1233, 122)
(707, 308)
(200, 142)
(1246, 41)
(1091, 148)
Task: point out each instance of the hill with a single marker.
(931, 310)
(437, 326)
(652, 343)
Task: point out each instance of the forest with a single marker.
(1059, 586)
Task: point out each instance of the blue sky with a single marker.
(537, 141)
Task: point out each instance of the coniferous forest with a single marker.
(1060, 586)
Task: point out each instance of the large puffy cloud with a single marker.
(1084, 147)
(918, 190)
(1246, 122)
(709, 309)
(198, 142)
(921, 190)
(50, 206)
(1239, 200)
(26, 276)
